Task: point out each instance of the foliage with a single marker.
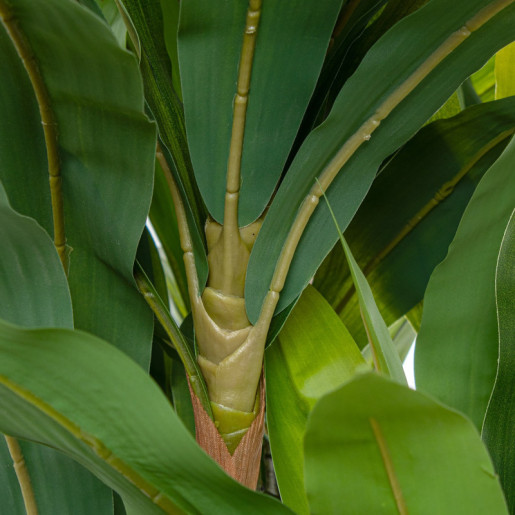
(173, 176)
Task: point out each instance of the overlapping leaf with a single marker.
(457, 347)
(313, 355)
(372, 443)
(386, 77)
(291, 44)
(410, 215)
(106, 154)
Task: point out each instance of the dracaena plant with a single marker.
(204, 158)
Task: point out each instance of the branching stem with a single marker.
(48, 121)
(362, 135)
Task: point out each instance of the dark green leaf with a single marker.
(291, 42)
(457, 346)
(499, 424)
(410, 215)
(374, 446)
(380, 81)
(106, 151)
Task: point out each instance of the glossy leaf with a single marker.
(130, 437)
(34, 293)
(410, 215)
(106, 153)
(505, 72)
(457, 345)
(313, 355)
(499, 424)
(382, 77)
(372, 443)
(291, 44)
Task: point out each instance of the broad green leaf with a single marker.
(105, 148)
(385, 357)
(34, 293)
(505, 72)
(292, 39)
(404, 226)
(385, 81)
(457, 346)
(374, 446)
(467, 95)
(129, 436)
(166, 107)
(499, 425)
(170, 10)
(484, 81)
(313, 354)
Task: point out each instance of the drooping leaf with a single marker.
(292, 39)
(499, 425)
(95, 404)
(410, 215)
(372, 443)
(34, 293)
(313, 355)
(402, 81)
(105, 149)
(457, 346)
(505, 72)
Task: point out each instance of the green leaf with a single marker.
(34, 293)
(404, 226)
(505, 72)
(457, 346)
(372, 443)
(170, 10)
(166, 107)
(499, 424)
(484, 81)
(313, 354)
(384, 79)
(291, 43)
(385, 356)
(130, 437)
(105, 148)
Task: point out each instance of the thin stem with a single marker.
(362, 135)
(48, 121)
(22, 474)
(231, 235)
(172, 330)
(388, 465)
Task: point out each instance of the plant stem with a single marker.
(22, 474)
(163, 315)
(362, 135)
(24, 49)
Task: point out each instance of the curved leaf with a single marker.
(34, 293)
(372, 443)
(291, 44)
(406, 78)
(105, 147)
(313, 354)
(403, 228)
(457, 345)
(504, 72)
(129, 436)
(499, 424)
